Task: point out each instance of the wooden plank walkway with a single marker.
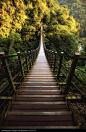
(39, 103)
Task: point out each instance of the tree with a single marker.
(21, 20)
(78, 11)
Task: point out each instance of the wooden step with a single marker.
(40, 96)
(23, 90)
(39, 92)
(39, 75)
(39, 107)
(38, 127)
(40, 113)
(39, 103)
(39, 88)
(40, 99)
(39, 110)
(37, 118)
(40, 84)
(40, 80)
(36, 123)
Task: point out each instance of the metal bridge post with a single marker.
(20, 63)
(31, 55)
(55, 62)
(71, 73)
(49, 57)
(60, 64)
(26, 61)
(7, 70)
(35, 54)
(29, 60)
(52, 59)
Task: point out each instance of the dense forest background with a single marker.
(78, 11)
(20, 26)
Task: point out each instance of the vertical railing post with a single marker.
(49, 56)
(52, 59)
(7, 70)
(55, 62)
(26, 61)
(31, 57)
(20, 63)
(29, 60)
(71, 73)
(35, 55)
(60, 64)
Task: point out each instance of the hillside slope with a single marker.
(78, 11)
(20, 26)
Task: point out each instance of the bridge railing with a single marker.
(72, 80)
(13, 70)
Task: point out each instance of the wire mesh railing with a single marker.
(70, 72)
(13, 70)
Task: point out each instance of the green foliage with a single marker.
(84, 45)
(60, 30)
(11, 43)
(20, 26)
(78, 11)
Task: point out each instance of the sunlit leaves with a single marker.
(23, 18)
(78, 11)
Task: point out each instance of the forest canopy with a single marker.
(78, 11)
(20, 26)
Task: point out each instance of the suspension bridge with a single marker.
(36, 100)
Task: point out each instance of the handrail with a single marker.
(52, 62)
(14, 74)
(71, 89)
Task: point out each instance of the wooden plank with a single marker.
(38, 106)
(39, 86)
(40, 99)
(40, 79)
(39, 90)
(42, 103)
(39, 93)
(39, 96)
(40, 82)
(38, 75)
(39, 110)
(16, 123)
(28, 118)
(39, 127)
(40, 113)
